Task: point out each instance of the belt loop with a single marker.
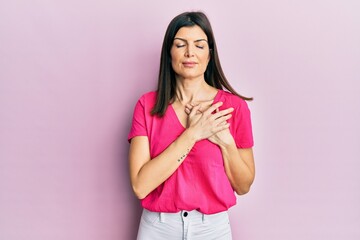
(162, 217)
(203, 218)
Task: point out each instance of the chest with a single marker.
(180, 114)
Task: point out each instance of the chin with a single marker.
(190, 76)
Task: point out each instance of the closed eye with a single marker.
(201, 47)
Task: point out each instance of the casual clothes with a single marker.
(200, 183)
(191, 225)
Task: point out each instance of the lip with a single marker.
(189, 64)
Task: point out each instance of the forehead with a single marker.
(192, 33)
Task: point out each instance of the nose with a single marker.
(189, 51)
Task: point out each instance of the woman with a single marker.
(190, 141)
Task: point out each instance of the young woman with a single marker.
(190, 141)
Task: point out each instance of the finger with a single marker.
(221, 127)
(189, 106)
(194, 110)
(193, 104)
(222, 120)
(213, 107)
(202, 107)
(222, 123)
(222, 113)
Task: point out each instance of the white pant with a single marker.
(184, 225)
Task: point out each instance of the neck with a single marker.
(191, 90)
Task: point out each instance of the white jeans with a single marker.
(184, 225)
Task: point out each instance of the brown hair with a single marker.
(214, 76)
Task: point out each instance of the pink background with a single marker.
(71, 72)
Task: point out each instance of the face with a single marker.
(190, 53)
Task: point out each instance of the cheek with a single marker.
(173, 57)
(205, 59)
(175, 52)
(174, 63)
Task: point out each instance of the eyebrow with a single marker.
(182, 39)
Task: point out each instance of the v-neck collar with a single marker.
(176, 118)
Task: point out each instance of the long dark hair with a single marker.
(214, 75)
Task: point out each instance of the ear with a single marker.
(210, 53)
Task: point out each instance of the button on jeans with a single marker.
(184, 225)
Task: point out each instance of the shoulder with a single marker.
(148, 98)
(230, 99)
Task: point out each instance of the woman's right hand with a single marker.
(204, 124)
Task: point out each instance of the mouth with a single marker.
(189, 64)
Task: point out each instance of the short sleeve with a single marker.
(243, 128)
(138, 126)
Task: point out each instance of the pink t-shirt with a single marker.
(200, 183)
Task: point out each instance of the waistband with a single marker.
(184, 215)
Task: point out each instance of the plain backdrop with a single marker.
(72, 71)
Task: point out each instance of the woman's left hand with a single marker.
(222, 138)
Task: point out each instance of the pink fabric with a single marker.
(200, 183)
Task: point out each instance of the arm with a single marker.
(239, 167)
(239, 163)
(146, 174)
